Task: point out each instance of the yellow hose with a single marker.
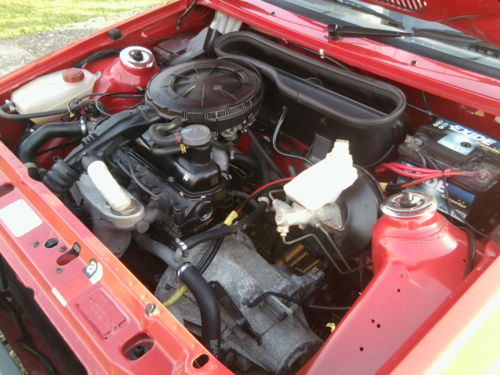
(177, 294)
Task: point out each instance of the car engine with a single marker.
(245, 166)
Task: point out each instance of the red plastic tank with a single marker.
(419, 258)
(130, 71)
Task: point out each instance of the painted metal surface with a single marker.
(116, 77)
(93, 300)
(417, 263)
(480, 18)
(456, 84)
(97, 335)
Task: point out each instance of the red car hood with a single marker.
(479, 18)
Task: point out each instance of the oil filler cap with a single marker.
(409, 204)
(195, 135)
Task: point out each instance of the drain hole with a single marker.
(200, 361)
(6, 189)
(51, 242)
(137, 346)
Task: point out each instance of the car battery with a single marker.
(443, 144)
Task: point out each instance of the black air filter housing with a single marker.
(218, 93)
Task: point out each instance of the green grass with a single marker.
(20, 17)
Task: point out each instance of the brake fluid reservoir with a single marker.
(323, 182)
(52, 91)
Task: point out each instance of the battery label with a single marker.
(462, 139)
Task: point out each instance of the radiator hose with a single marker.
(28, 147)
(207, 303)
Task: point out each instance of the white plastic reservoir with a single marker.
(52, 91)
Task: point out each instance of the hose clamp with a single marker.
(183, 268)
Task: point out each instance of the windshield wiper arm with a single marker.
(366, 10)
(336, 32)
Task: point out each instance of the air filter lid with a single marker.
(218, 93)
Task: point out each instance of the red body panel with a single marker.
(98, 336)
(417, 263)
(116, 77)
(480, 18)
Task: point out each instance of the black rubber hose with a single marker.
(27, 116)
(264, 171)
(245, 159)
(158, 249)
(27, 149)
(237, 155)
(222, 231)
(207, 303)
(170, 150)
(158, 133)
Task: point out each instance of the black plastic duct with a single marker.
(363, 110)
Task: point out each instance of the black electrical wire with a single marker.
(209, 255)
(472, 249)
(100, 107)
(130, 172)
(25, 340)
(329, 308)
(259, 150)
(58, 147)
(184, 14)
(222, 231)
(382, 158)
(96, 56)
(263, 296)
(27, 116)
(275, 139)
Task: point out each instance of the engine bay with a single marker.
(241, 180)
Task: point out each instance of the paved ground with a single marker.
(18, 51)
